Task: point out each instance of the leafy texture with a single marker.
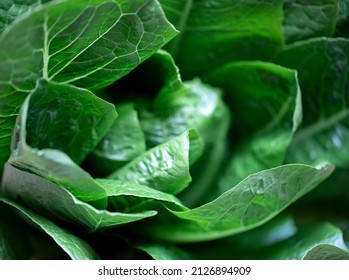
(164, 167)
(123, 142)
(45, 121)
(327, 252)
(213, 32)
(306, 19)
(72, 245)
(323, 70)
(252, 202)
(84, 43)
(55, 202)
(273, 94)
(10, 10)
(297, 246)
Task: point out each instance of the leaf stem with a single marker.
(321, 125)
(174, 46)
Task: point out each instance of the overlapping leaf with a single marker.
(323, 68)
(262, 138)
(71, 244)
(85, 43)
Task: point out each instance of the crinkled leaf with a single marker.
(252, 202)
(323, 68)
(43, 120)
(272, 93)
(11, 10)
(191, 105)
(85, 43)
(75, 247)
(166, 166)
(55, 202)
(309, 19)
(123, 142)
(56, 108)
(326, 252)
(214, 32)
(297, 246)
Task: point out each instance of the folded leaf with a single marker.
(53, 201)
(252, 202)
(120, 194)
(298, 246)
(166, 166)
(323, 68)
(309, 19)
(45, 114)
(266, 103)
(123, 142)
(75, 247)
(213, 33)
(326, 252)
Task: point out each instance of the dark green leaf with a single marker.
(326, 252)
(53, 164)
(123, 142)
(55, 202)
(254, 201)
(309, 19)
(323, 68)
(10, 10)
(214, 32)
(297, 246)
(166, 166)
(75, 247)
(272, 93)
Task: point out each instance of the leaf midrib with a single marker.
(173, 49)
(320, 126)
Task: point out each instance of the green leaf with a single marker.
(192, 105)
(85, 43)
(123, 142)
(343, 13)
(53, 110)
(11, 10)
(326, 252)
(119, 189)
(252, 202)
(55, 202)
(164, 252)
(166, 166)
(323, 68)
(309, 19)
(297, 246)
(82, 116)
(75, 247)
(214, 32)
(272, 93)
